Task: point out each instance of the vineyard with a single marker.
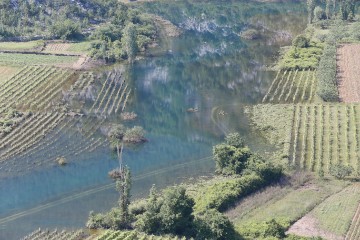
(324, 135)
(292, 87)
(354, 229)
(16, 59)
(54, 235)
(131, 235)
(56, 47)
(49, 129)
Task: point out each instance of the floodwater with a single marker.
(209, 68)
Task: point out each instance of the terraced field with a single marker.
(54, 235)
(292, 87)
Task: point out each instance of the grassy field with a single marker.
(15, 59)
(288, 206)
(336, 212)
(22, 46)
(292, 87)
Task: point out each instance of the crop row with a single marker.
(54, 235)
(132, 235)
(354, 229)
(292, 87)
(323, 135)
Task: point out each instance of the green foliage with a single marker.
(340, 171)
(319, 13)
(298, 58)
(65, 29)
(326, 75)
(264, 230)
(171, 213)
(229, 159)
(129, 41)
(310, 7)
(212, 224)
(235, 140)
(231, 190)
(135, 135)
(301, 41)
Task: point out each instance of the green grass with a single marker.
(15, 59)
(21, 46)
(80, 47)
(335, 213)
(273, 121)
(291, 206)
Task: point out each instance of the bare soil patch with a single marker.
(308, 226)
(348, 72)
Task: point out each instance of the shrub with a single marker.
(301, 41)
(135, 135)
(212, 224)
(229, 159)
(340, 171)
(264, 230)
(234, 139)
(250, 34)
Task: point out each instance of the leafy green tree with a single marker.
(301, 41)
(212, 224)
(234, 139)
(319, 13)
(123, 185)
(310, 7)
(328, 8)
(170, 214)
(274, 229)
(65, 29)
(176, 211)
(150, 221)
(129, 41)
(230, 160)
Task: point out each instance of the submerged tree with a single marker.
(129, 41)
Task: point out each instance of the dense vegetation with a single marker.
(118, 31)
(178, 211)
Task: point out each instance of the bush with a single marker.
(135, 135)
(264, 230)
(251, 34)
(212, 224)
(66, 29)
(301, 41)
(172, 213)
(234, 139)
(340, 171)
(231, 190)
(229, 159)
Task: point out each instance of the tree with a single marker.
(229, 159)
(328, 9)
(123, 185)
(170, 214)
(310, 8)
(319, 13)
(176, 212)
(234, 139)
(129, 41)
(150, 221)
(212, 224)
(301, 41)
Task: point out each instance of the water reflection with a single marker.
(209, 68)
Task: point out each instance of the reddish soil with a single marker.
(308, 226)
(348, 72)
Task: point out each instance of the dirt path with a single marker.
(348, 72)
(308, 226)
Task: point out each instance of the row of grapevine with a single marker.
(55, 235)
(132, 235)
(112, 96)
(292, 87)
(324, 135)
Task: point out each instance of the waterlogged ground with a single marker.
(209, 67)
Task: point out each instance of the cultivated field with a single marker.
(292, 87)
(348, 74)
(16, 59)
(6, 72)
